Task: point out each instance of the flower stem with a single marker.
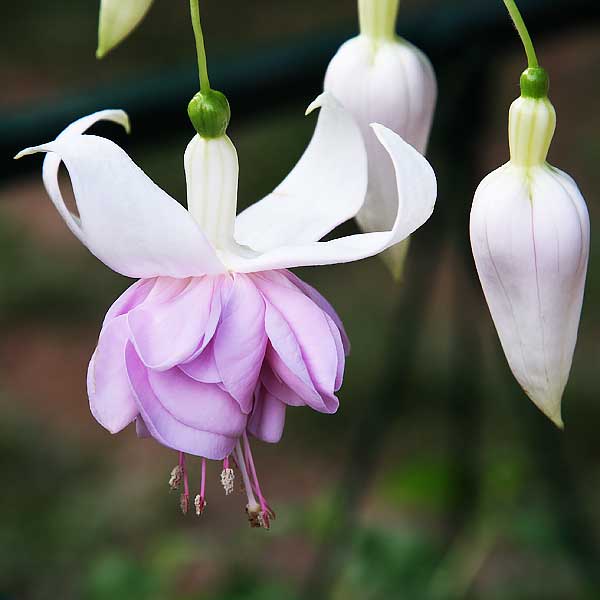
(515, 15)
(201, 51)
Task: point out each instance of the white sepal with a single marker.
(416, 187)
(124, 219)
(326, 188)
(530, 239)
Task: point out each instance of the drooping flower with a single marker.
(118, 18)
(530, 236)
(381, 78)
(217, 337)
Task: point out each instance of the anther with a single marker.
(200, 504)
(227, 480)
(184, 503)
(175, 478)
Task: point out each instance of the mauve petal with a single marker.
(203, 368)
(341, 355)
(201, 405)
(275, 386)
(284, 356)
(310, 328)
(318, 299)
(240, 341)
(223, 284)
(165, 427)
(168, 332)
(268, 417)
(111, 401)
(133, 296)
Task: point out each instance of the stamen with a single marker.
(199, 500)
(227, 477)
(253, 508)
(265, 512)
(184, 500)
(176, 475)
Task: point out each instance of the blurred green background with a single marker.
(437, 478)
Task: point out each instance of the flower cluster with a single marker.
(217, 337)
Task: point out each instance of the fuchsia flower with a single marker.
(217, 337)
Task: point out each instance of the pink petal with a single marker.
(133, 296)
(111, 401)
(284, 356)
(317, 298)
(310, 328)
(203, 368)
(182, 414)
(166, 332)
(273, 384)
(240, 341)
(268, 417)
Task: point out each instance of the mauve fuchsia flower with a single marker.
(530, 235)
(381, 78)
(217, 337)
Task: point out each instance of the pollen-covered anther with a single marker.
(200, 504)
(175, 477)
(228, 480)
(184, 503)
(254, 513)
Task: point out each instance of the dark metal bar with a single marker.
(272, 76)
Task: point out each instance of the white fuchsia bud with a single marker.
(118, 18)
(381, 78)
(530, 236)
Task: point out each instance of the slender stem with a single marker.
(515, 15)
(202, 68)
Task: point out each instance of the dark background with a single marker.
(437, 478)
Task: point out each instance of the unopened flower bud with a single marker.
(530, 236)
(381, 78)
(209, 113)
(118, 19)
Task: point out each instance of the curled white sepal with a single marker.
(530, 238)
(326, 188)
(416, 193)
(124, 219)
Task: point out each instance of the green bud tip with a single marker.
(209, 113)
(534, 83)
